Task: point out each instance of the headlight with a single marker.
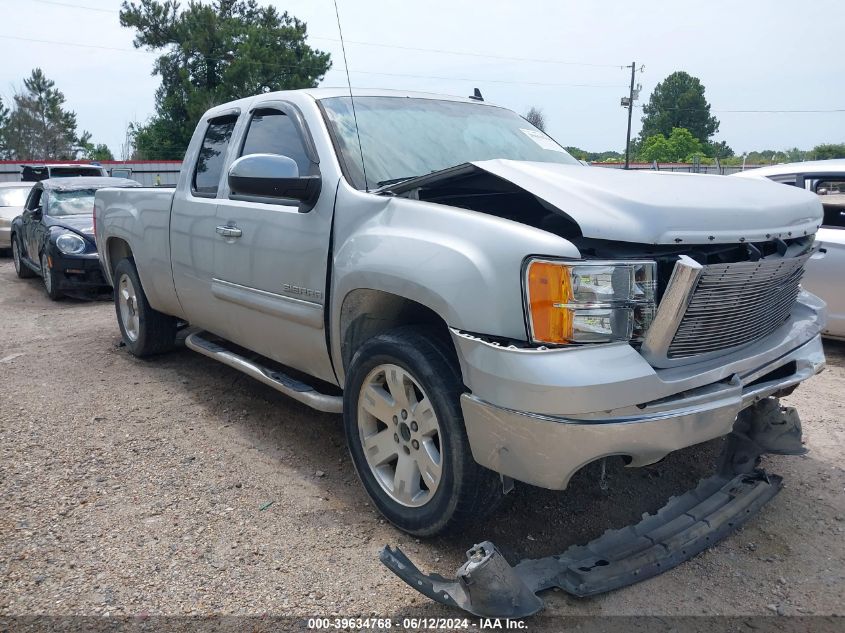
(589, 302)
(70, 244)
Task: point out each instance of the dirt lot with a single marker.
(179, 486)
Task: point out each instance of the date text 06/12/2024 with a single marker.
(415, 624)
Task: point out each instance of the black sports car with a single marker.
(54, 236)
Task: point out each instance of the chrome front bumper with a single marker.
(539, 416)
(5, 236)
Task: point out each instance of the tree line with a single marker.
(679, 128)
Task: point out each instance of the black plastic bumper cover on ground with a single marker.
(487, 585)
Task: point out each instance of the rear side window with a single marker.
(834, 216)
(273, 132)
(212, 155)
(784, 179)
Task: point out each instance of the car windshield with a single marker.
(407, 137)
(60, 203)
(14, 196)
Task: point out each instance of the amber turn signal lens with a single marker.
(549, 290)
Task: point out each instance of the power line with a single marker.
(442, 51)
(75, 6)
(493, 81)
(483, 55)
(305, 66)
(750, 111)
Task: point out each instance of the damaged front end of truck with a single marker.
(715, 328)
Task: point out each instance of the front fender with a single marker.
(464, 265)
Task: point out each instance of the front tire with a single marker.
(22, 270)
(50, 279)
(145, 331)
(406, 436)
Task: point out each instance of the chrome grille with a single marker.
(738, 303)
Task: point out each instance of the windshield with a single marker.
(14, 196)
(406, 137)
(60, 203)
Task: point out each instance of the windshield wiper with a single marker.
(393, 181)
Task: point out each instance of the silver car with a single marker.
(12, 198)
(823, 276)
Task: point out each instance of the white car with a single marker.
(823, 275)
(12, 198)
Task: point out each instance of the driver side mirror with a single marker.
(38, 212)
(271, 176)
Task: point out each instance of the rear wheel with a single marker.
(406, 435)
(51, 282)
(145, 331)
(23, 271)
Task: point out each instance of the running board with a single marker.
(281, 382)
(488, 586)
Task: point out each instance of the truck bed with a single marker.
(139, 216)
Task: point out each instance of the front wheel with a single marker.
(406, 435)
(51, 281)
(145, 331)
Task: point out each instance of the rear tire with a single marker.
(23, 271)
(145, 331)
(406, 435)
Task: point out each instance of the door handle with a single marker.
(229, 231)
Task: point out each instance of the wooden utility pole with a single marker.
(630, 104)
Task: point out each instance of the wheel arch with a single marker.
(116, 249)
(367, 312)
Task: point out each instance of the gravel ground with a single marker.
(179, 486)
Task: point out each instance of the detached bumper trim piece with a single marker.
(488, 586)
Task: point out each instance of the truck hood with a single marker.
(652, 207)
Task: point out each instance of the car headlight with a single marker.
(70, 244)
(589, 301)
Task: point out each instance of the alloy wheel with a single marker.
(16, 256)
(45, 273)
(127, 301)
(400, 435)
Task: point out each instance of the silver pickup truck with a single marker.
(480, 307)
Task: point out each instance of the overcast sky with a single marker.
(750, 55)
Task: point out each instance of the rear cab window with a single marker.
(212, 156)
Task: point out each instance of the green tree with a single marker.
(680, 146)
(90, 151)
(678, 102)
(536, 118)
(829, 150)
(595, 157)
(718, 149)
(214, 53)
(39, 127)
